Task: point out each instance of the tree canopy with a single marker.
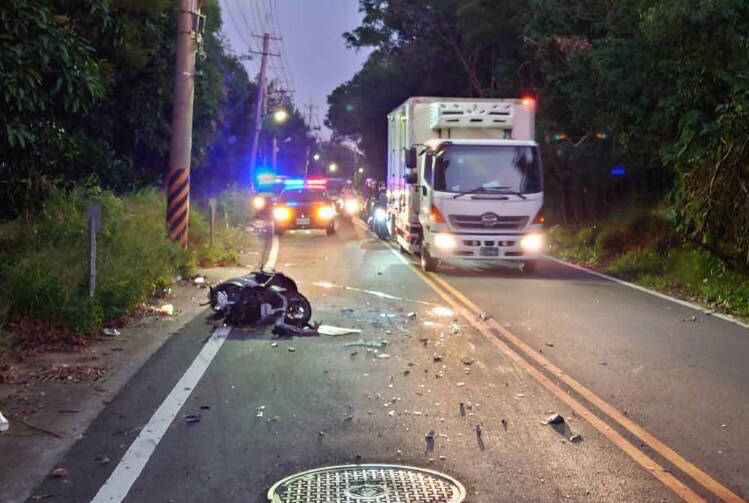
(656, 89)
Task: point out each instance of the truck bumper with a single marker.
(491, 247)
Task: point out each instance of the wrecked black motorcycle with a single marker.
(263, 297)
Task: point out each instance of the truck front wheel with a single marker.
(428, 264)
(529, 266)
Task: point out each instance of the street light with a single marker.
(361, 170)
(316, 157)
(280, 115)
(333, 167)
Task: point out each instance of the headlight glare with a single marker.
(352, 206)
(326, 212)
(445, 241)
(532, 242)
(281, 213)
(258, 202)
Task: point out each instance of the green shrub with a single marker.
(44, 256)
(236, 204)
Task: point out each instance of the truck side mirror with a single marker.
(411, 158)
(411, 178)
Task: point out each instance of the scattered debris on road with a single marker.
(484, 316)
(467, 360)
(383, 356)
(575, 438)
(4, 424)
(411, 315)
(331, 330)
(199, 281)
(166, 310)
(110, 332)
(554, 419)
(291, 349)
(60, 473)
(192, 418)
(102, 460)
(436, 358)
(274, 344)
(364, 343)
(550, 344)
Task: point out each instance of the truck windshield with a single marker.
(460, 168)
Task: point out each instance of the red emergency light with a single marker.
(317, 182)
(528, 101)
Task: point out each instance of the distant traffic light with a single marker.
(602, 136)
(559, 137)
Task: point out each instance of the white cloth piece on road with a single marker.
(331, 330)
(4, 424)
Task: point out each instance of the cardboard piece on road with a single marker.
(331, 330)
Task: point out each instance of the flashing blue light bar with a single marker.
(265, 178)
(292, 203)
(294, 181)
(618, 171)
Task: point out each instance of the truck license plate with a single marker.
(302, 221)
(489, 251)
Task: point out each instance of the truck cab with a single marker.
(470, 185)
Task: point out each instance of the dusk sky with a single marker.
(314, 59)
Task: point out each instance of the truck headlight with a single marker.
(445, 241)
(532, 242)
(380, 214)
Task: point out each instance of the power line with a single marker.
(239, 31)
(285, 69)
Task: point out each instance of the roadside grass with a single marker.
(640, 246)
(44, 258)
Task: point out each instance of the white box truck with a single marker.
(464, 180)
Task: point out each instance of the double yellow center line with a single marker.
(528, 359)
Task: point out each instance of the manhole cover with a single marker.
(367, 484)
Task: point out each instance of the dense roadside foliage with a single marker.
(651, 97)
(86, 88)
(44, 255)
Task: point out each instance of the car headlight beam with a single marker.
(258, 202)
(351, 206)
(326, 212)
(281, 213)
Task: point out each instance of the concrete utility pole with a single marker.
(180, 148)
(260, 102)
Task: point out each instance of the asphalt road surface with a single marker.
(660, 404)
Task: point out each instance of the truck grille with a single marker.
(476, 222)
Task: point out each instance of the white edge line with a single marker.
(131, 465)
(127, 471)
(664, 296)
(273, 253)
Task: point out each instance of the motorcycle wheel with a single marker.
(299, 311)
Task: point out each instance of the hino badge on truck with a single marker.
(464, 180)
